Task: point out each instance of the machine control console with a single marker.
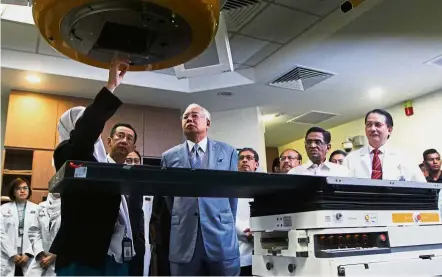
(350, 244)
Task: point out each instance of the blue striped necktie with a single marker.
(195, 160)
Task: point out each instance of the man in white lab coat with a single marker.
(248, 161)
(378, 160)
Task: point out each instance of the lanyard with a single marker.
(21, 228)
(21, 222)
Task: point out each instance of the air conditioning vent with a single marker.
(237, 4)
(240, 12)
(301, 78)
(312, 118)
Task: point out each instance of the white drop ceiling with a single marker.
(379, 44)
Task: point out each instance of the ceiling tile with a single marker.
(243, 47)
(278, 24)
(319, 7)
(263, 53)
(19, 36)
(45, 49)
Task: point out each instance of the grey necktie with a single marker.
(195, 158)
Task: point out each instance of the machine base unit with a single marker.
(382, 265)
(400, 250)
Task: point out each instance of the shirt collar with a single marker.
(381, 149)
(110, 160)
(202, 144)
(326, 164)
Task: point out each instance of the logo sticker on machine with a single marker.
(287, 221)
(80, 172)
(371, 218)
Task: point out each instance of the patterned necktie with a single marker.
(195, 159)
(376, 169)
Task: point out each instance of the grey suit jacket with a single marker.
(216, 215)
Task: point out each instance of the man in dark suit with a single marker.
(203, 238)
(87, 235)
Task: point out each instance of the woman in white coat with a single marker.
(16, 217)
(42, 233)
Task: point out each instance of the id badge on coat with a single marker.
(127, 249)
(20, 231)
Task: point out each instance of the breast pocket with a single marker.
(175, 220)
(226, 218)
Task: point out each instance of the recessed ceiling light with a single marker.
(375, 93)
(268, 117)
(33, 79)
(225, 93)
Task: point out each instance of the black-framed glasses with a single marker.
(22, 188)
(246, 157)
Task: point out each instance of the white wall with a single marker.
(412, 134)
(241, 128)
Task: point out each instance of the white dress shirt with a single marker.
(396, 165)
(381, 155)
(122, 227)
(202, 144)
(324, 169)
(242, 223)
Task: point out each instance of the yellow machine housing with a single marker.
(153, 34)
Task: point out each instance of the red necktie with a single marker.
(376, 169)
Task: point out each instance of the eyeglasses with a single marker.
(289, 158)
(120, 136)
(318, 142)
(22, 188)
(194, 116)
(246, 157)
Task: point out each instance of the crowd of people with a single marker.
(98, 232)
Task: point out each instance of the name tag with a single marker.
(127, 249)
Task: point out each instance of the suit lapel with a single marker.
(212, 152)
(365, 159)
(184, 155)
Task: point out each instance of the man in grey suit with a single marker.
(203, 239)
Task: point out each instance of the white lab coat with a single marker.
(8, 235)
(395, 165)
(242, 223)
(41, 237)
(147, 211)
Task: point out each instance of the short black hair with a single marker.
(114, 129)
(429, 152)
(291, 149)
(138, 154)
(255, 154)
(15, 183)
(326, 134)
(337, 152)
(276, 162)
(388, 117)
